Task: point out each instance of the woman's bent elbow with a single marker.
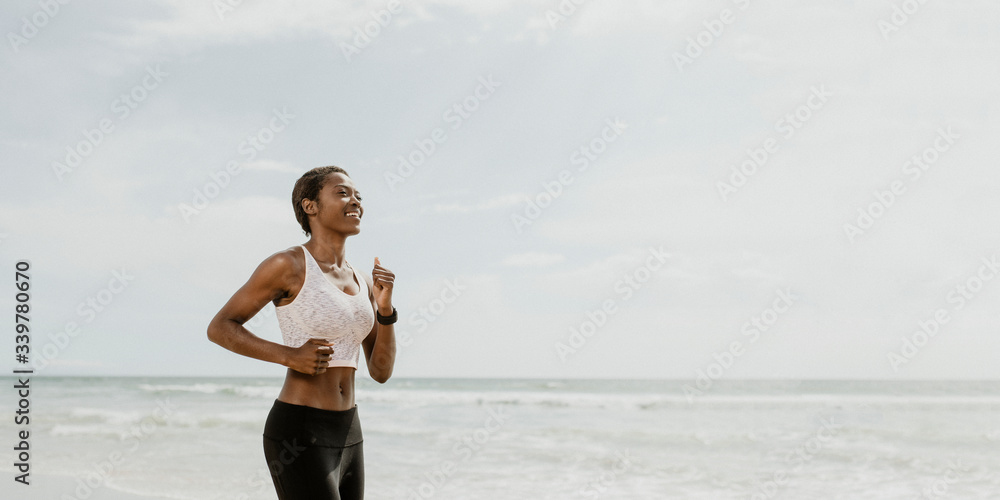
(214, 332)
(380, 367)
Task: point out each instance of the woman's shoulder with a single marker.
(289, 255)
(289, 261)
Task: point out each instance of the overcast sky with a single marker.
(636, 189)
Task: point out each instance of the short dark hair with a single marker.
(307, 188)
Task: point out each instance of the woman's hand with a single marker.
(312, 357)
(382, 279)
(380, 344)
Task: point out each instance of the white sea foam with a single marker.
(552, 397)
(553, 438)
(249, 391)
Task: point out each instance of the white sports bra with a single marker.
(321, 309)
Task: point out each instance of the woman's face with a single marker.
(339, 205)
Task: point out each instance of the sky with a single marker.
(636, 189)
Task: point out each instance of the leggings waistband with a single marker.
(315, 426)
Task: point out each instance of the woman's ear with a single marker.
(309, 206)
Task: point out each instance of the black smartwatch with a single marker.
(386, 320)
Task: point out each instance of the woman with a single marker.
(326, 309)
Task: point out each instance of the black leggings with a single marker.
(314, 454)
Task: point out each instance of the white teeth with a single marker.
(354, 214)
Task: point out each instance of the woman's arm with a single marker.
(270, 281)
(380, 344)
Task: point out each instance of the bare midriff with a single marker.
(330, 390)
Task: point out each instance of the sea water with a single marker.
(200, 438)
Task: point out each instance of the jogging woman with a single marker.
(327, 311)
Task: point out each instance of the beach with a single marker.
(55, 487)
(200, 438)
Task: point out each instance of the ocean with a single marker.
(200, 438)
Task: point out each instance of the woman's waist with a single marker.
(330, 390)
(300, 425)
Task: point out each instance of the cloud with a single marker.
(195, 24)
(657, 187)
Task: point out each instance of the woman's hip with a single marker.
(307, 426)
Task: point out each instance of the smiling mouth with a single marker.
(354, 214)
